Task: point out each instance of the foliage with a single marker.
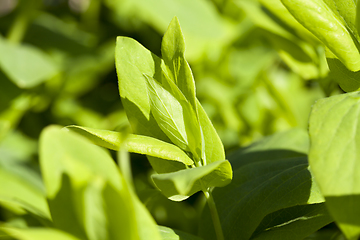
(224, 125)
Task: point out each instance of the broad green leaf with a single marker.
(293, 223)
(75, 173)
(269, 175)
(259, 189)
(288, 144)
(133, 143)
(132, 62)
(173, 53)
(171, 234)
(25, 65)
(334, 157)
(328, 26)
(38, 234)
(181, 184)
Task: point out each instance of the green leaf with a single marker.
(25, 65)
(334, 157)
(173, 53)
(293, 223)
(38, 234)
(172, 234)
(179, 185)
(271, 177)
(259, 189)
(214, 149)
(175, 117)
(84, 187)
(133, 143)
(168, 113)
(282, 145)
(20, 191)
(327, 25)
(132, 62)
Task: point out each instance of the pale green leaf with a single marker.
(133, 143)
(168, 113)
(172, 234)
(132, 62)
(334, 157)
(326, 25)
(180, 185)
(173, 53)
(25, 65)
(20, 190)
(214, 149)
(38, 234)
(175, 117)
(80, 175)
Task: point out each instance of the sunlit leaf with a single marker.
(133, 143)
(334, 157)
(180, 185)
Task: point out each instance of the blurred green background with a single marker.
(257, 72)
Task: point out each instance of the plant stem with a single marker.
(125, 165)
(214, 215)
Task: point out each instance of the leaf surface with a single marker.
(87, 195)
(133, 143)
(270, 178)
(327, 24)
(334, 157)
(181, 184)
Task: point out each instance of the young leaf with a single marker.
(173, 53)
(179, 185)
(133, 143)
(334, 157)
(214, 149)
(168, 113)
(325, 24)
(175, 117)
(132, 62)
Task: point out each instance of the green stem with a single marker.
(214, 215)
(125, 165)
